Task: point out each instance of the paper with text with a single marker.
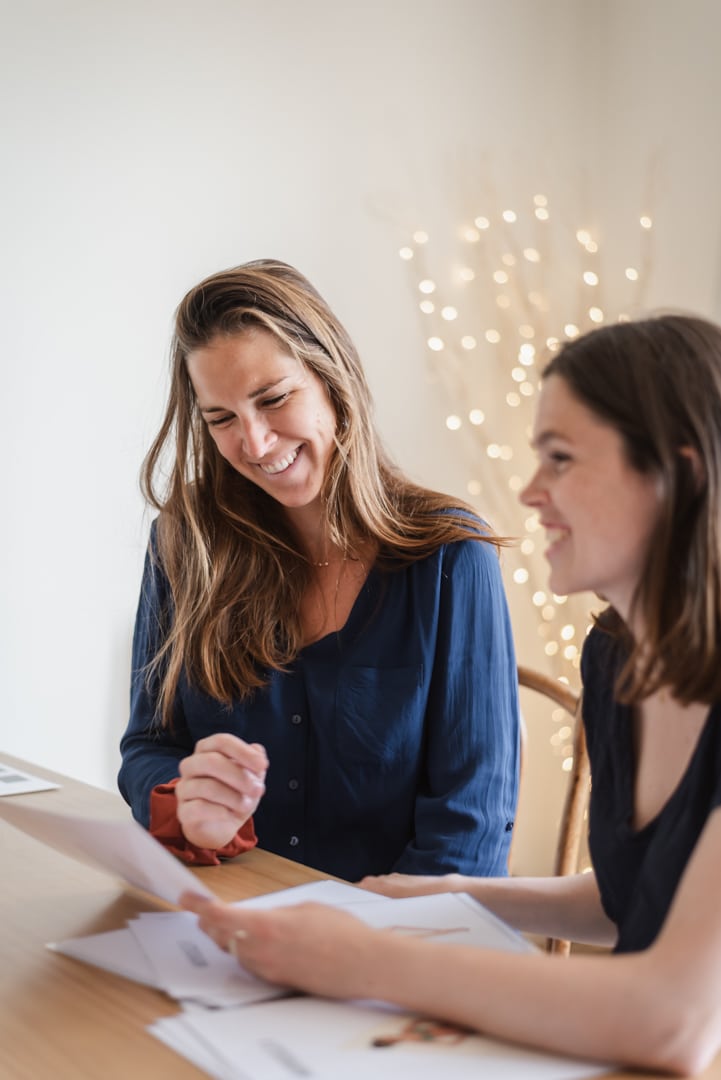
(16, 782)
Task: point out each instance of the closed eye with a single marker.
(275, 402)
(219, 421)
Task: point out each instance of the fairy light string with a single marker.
(519, 282)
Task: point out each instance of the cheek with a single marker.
(326, 423)
(225, 445)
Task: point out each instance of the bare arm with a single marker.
(659, 1009)
(563, 907)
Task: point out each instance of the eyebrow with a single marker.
(546, 437)
(251, 396)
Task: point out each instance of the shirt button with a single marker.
(296, 719)
(294, 841)
(293, 785)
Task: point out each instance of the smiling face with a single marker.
(270, 417)
(598, 511)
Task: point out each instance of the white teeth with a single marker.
(553, 535)
(280, 466)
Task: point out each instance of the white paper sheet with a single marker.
(189, 966)
(116, 951)
(327, 1040)
(336, 893)
(450, 918)
(16, 782)
(186, 1043)
(123, 848)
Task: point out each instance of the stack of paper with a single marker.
(329, 1040)
(168, 951)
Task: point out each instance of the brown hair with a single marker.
(235, 569)
(658, 383)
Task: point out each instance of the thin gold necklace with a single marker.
(332, 562)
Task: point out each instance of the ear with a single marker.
(697, 467)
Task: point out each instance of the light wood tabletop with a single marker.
(61, 1019)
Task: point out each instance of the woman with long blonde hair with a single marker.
(322, 657)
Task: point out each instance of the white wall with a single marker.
(147, 144)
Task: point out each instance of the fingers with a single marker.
(391, 884)
(222, 772)
(226, 925)
(250, 755)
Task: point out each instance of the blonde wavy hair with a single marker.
(235, 568)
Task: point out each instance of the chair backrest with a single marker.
(571, 828)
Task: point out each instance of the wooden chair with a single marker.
(571, 828)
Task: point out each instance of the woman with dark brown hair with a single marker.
(628, 488)
(322, 655)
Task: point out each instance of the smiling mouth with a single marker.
(275, 467)
(554, 535)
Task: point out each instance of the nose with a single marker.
(533, 494)
(257, 437)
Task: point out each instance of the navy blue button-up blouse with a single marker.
(393, 744)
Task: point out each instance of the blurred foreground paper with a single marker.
(123, 848)
(310, 1037)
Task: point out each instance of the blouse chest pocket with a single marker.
(380, 714)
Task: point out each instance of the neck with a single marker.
(312, 534)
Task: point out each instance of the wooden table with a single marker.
(61, 1019)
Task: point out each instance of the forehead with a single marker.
(559, 413)
(247, 362)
